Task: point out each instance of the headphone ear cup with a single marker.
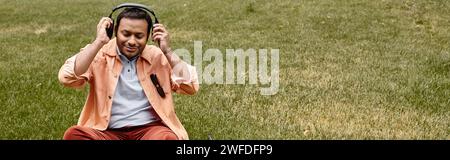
(110, 30)
(151, 29)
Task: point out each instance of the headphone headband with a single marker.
(134, 5)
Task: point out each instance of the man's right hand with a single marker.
(104, 23)
(85, 57)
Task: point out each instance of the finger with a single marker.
(110, 21)
(105, 24)
(157, 34)
(157, 38)
(102, 21)
(158, 25)
(159, 29)
(154, 38)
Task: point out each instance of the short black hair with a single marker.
(134, 13)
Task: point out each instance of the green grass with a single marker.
(349, 69)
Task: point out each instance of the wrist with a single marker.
(167, 51)
(173, 58)
(98, 42)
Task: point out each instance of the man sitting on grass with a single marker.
(130, 82)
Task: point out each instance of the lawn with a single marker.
(348, 69)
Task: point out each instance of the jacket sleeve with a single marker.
(67, 75)
(184, 79)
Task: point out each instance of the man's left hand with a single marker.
(161, 36)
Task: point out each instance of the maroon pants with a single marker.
(152, 131)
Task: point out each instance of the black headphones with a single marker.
(110, 29)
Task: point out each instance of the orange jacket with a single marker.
(102, 76)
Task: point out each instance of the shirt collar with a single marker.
(125, 58)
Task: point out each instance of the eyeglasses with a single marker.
(157, 85)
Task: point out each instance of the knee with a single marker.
(164, 134)
(170, 136)
(74, 133)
